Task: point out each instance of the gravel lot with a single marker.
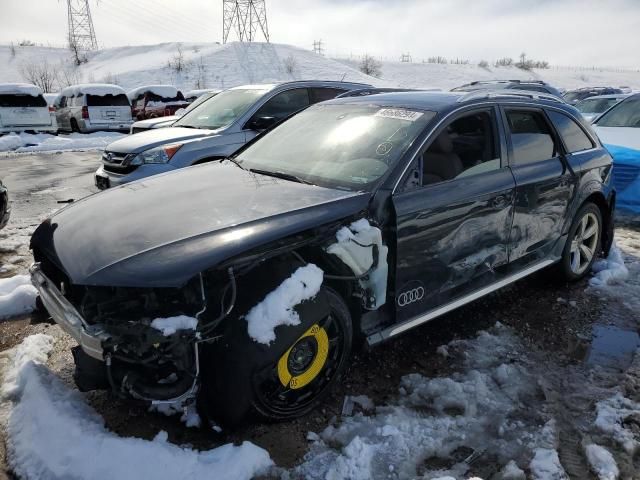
(586, 340)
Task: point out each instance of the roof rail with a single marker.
(480, 94)
(539, 82)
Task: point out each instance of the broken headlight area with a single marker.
(141, 361)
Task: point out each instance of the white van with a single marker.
(93, 107)
(23, 108)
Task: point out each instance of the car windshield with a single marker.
(624, 114)
(573, 96)
(337, 145)
(221, 110)
(199, 100)
(596, 105)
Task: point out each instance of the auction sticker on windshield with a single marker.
(399, 114)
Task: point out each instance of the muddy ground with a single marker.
(570, 326)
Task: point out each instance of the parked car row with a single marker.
(243, 285)
(87, 107)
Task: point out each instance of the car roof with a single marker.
(443, 101)
(304, 83)
(610, 95)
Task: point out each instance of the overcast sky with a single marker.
(563, 32)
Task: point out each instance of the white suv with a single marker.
(93, 107)
(23, 108)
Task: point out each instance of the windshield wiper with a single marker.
(283, 175)
(186, 126)
(236, 162)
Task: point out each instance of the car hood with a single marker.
(142, 141)
(620, 136)
(155, 122)
(162, 231)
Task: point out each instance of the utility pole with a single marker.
(82, 36)
(317, 47)
(246, 17)
(406, 58)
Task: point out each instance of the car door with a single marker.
(277, 108)
(545, 184)
(453, 208)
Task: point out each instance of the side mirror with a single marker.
(261, 123)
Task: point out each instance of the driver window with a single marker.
(467, 146)
(284, 104)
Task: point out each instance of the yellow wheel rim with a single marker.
(305, 378)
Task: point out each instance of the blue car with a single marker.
(619, 130)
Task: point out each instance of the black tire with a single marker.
(242, 384)
(74, 125)
(567, 266)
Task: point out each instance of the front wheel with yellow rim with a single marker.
(305, 372)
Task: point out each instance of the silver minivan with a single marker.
(93, 107)
(23, 108)
(213, 130)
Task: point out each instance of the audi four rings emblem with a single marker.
(410, 296)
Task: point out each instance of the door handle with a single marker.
(499, 202)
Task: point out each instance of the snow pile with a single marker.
(20, 89)
(44, 411)
(169, 326)
(609, 271)
(546, 465)
(484, 408)
(601, 462)
(189, 413)
(97, 89)
(44, 142)
(165, 91)
(17, 296)
(355, 247)
(611, 414)
(277, 308)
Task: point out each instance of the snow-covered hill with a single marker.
(205, 65)
(211, 65)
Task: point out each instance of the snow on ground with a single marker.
(611, 270)
(478, 409)
(17, 296)
(169, 326)
(36, 406)
(277, 308)
(601, 462)
(44, 142)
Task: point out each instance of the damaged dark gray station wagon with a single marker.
(244, 285)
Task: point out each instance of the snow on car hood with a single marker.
(162, 231)
(154, 138)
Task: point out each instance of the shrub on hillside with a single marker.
(370, 66)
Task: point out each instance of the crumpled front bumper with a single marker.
(89, 337)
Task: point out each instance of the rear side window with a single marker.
(531, 137)
(22, 101)
(107, 100)
(323, 94)
(573, 136)
(285, 103)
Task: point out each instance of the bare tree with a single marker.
(201, 81)
(370, 66)
(79, 56)
(437, 59)
(41, 74)
(504, 62)
(290, 64)
(12, 49)
(67, 74)
(178, 63)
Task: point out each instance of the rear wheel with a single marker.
(583, 243)
(290, 385)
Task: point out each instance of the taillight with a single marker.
(52, 109)
(85, 112)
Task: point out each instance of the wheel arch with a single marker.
(607, 212)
